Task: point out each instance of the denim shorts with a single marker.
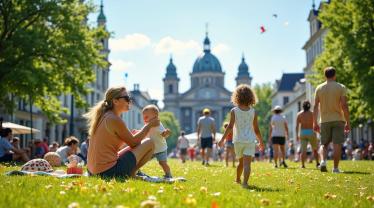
(229, 144)
(161, 156)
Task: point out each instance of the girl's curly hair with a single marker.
(243, 95)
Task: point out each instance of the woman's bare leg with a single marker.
(143, 153)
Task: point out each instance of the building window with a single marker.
(170, 88)
(92, 98)
(299, 106)
(285, 100)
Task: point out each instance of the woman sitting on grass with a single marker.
(108, 133)
(243, 123)
(70, 148)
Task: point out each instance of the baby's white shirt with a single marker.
(155, 135)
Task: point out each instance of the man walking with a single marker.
(304, 121)
(331, 102)
(206, 134)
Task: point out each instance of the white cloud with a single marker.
(134, 41)
(220, 49)
(169, 45)
(120, 65)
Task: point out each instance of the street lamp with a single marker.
(362, 131)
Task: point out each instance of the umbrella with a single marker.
(19, 129)
(192, 138)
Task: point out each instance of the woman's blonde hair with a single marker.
(95, 114)
(243, 95)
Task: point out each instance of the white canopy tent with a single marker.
(192, 138)
(19, 129)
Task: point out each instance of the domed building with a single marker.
(207, 90)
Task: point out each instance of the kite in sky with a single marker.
(275, 15)
(262, 28)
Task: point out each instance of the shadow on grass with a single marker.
(356, 172)
(263, 189)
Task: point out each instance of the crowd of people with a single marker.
(10, 150)
(112, 150)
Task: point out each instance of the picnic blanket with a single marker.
(62, 174)
(154, 179)
(58, 174)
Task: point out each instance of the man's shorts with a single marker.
(304, 143)
(332, 131)
(247, 149)
(278, 140)
(183, 151)
(206, 142)
(161, 156)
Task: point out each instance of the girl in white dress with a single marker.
(243, 123)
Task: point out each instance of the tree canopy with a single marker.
(263, 107)
(349, 47)
(47, 50)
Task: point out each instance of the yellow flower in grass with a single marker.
(74, 205)
(190, 200)
(265, 202)
(204, 189)
(329, 195)
(370, 198)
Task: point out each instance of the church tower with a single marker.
(243, 74)
(102, 76)
(171, 91)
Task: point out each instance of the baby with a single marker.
(158, 135)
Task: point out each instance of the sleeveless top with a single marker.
(243, 128)
(277, 124)
(103, 148)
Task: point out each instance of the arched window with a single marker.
(170, 88)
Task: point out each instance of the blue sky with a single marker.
(145, 33)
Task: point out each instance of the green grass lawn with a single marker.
(205, 187)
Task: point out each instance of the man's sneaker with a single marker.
(203, 163)
(318, 165)
(336, 170)
(284, 164)
(141, 174)
(168, 176)
(323, 168)
(275, 166)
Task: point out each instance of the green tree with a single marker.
(47, 50)
(349, 47)
(263, 107)
(169, 121)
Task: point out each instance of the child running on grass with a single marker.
(243, 124)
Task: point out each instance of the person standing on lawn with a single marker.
(243, 123)
(304, 121)
(278, 132)
(206, 135)
(331, 104)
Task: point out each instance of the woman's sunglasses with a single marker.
(126, 97)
